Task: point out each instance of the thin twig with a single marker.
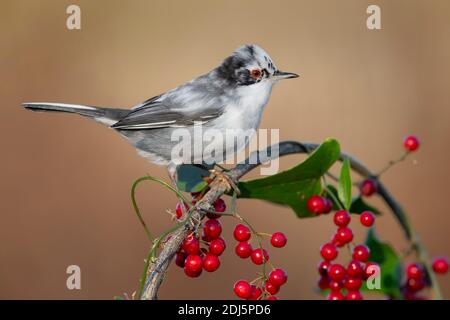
(391, 163)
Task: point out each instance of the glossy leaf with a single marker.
(345, 185)
(293, 187)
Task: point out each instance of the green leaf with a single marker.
(294, 186)
(345, 185)
(190, 178)
(359, 206)
(390, 265)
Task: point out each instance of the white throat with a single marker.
(252, 101)
(247, 107)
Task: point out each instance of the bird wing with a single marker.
(198, 101)
(157, 114)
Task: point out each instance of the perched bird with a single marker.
(231, 96)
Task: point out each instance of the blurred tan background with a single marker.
(65, 181)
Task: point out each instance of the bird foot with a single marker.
(225, 178)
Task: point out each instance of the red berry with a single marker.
(335, 295)
(411, 143)
(193, 263)
(323, 267)
(410, 295)
(192, 274)
(367, 218)
(328, 251)
(244, 250)
(324, 283)
(328, 206)
(370, 269)
(219, 206)
(440, 265)
(242, 289)
(217, 246)
(414, 285)
(278, 277)
(241, 233)
(337, 241)
(278, 240)
(414, 271)
(206, 237)
(368, 187)
(361, 253)
(355, 269)
(354, 295)
(335, 285)
(179, 209)
(211, 215)
(255, 293)
(179, 259)
(352, 284)
(341, 218)
(271, 288)
(212, 229)
(316, 204)
(336, 272)
(191, 245)
(211, 263)
(272, 298)
(257, 256)
(344, 235)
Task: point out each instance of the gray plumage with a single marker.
(231, 96)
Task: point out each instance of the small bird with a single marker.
(231, 96)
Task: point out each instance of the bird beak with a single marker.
(279, 75)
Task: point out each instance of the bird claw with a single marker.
(223, 177)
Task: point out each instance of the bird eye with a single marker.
(255, 73)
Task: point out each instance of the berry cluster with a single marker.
(267, 287)
(202, 253)
(345, 282)
(196, 255)
(417, 278)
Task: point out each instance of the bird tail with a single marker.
(107, 116)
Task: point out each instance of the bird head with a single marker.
(250, 64)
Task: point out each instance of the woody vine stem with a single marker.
(170, 242)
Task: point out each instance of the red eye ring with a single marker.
(256, 73)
